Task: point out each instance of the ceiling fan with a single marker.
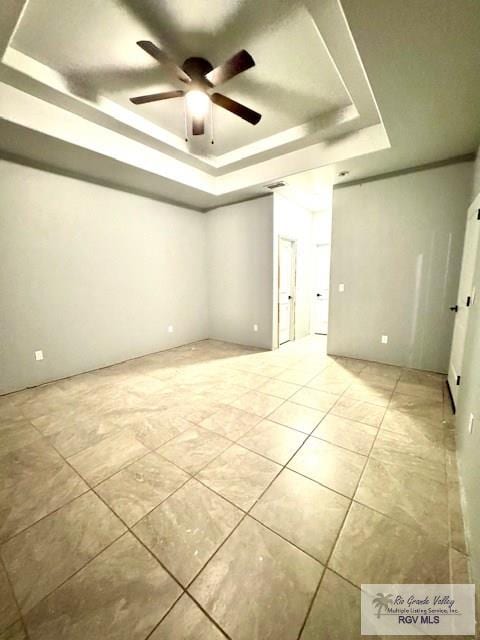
(200, 76)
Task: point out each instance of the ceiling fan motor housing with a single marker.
(197, 69)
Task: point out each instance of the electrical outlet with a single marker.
(341, 287)
(470, 423)
(170, 328)
(384, 339)
(39, 355)
(255, 327)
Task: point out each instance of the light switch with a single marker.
(341, 287)
(170, 328)
(384, 339)
(255, 327)
(39, 355)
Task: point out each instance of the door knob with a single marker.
(454, 308)
(290, 297)
(319, 295)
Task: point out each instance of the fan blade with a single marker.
(153, 97)
(198, 125)
(241, 61)
(235, 107)
(164, 59)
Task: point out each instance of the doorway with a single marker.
(287, 259)
(466, 294)
(321, 282)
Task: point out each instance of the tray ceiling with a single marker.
(80, 58)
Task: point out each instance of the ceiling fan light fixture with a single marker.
(197, 103)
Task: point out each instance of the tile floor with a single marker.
(216, 491)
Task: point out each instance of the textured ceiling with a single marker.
(423, 63)
(92, 44)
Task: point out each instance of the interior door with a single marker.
(465, 300)
(286, 290)
(321, 274)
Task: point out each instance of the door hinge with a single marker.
(458, 380)
(478, 214)
(469, 301)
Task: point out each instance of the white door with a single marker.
(321, 275)
(465, 299)
(286, 290)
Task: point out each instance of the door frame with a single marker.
(315, 289)
(293, 242)
(473, 219)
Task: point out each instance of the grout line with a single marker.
(337, 537)
(193, 476)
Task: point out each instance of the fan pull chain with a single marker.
(212, 141)
(186, 120)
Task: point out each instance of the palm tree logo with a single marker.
(382, 602)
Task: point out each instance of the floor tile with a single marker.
(121, 595)
(414, 427)
(15, 632)
(247, 379)
(395, 553)
(85, 431)
(349, 364)
(367, 377)
(297, 417)
(137, 489)
(421, 407)
(186, 529)
(296, 376)
(279, 388)
(230, 422)
(412, 498)
(332, 466)
(102, 460)
(42, 557)
(420, 390)
(239, 475)
(424, 378)
(34, 481)
(194, 448)
(315, 399)
(349, 434)
(386, 371)
(420, 446)
(273, 440)
(335, 613)
(186, 621)
(259, 403)
(16, 434)
(330, 384)
(152, 428)
(9, 612)
(369, 393)
(358, 410)
(307, 514)
(278, 582)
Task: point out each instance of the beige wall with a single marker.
(240, 272)
(468, 444)
(92, 276)
(397, 246)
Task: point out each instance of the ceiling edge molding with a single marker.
(466, 157)
(74, 175)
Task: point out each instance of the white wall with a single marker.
(92, 276)
(240, 272)
(397, 246)
(295, 223)
(468, 444)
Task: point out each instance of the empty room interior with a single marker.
(239, 319)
